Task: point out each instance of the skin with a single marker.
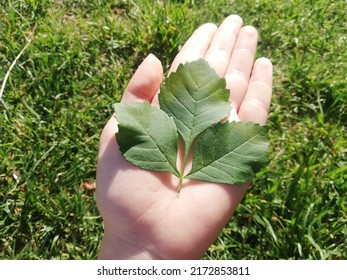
(144, 217)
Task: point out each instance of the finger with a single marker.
(219, 53)
(241, 62)
(107, 138)
(255, 105)
(145, 82)
(196, 46)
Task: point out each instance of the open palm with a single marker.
(144, 216)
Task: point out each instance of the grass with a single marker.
(80, 57)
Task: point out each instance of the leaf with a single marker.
(230, 153)
(147, 137)
(88, 185)
(196, 97)
(194, 102)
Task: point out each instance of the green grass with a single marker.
(79, 60)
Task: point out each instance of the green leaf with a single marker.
(194, 102)
(196, 97)
(230, 153)
(147, 137)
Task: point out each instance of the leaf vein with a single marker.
(227, 154)
(180, 101)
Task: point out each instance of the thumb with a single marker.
(145, 82)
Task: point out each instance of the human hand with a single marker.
(144, 217)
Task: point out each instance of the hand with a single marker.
(144, 216)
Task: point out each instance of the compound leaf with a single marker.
(230, 153)
(196, 97)
(147, 137)
(193, 102)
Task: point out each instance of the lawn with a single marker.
(64, 63)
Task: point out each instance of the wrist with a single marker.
(115, 248)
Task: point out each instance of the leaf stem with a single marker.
(183, 167)
(180, 184)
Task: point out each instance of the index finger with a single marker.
(196, 46)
